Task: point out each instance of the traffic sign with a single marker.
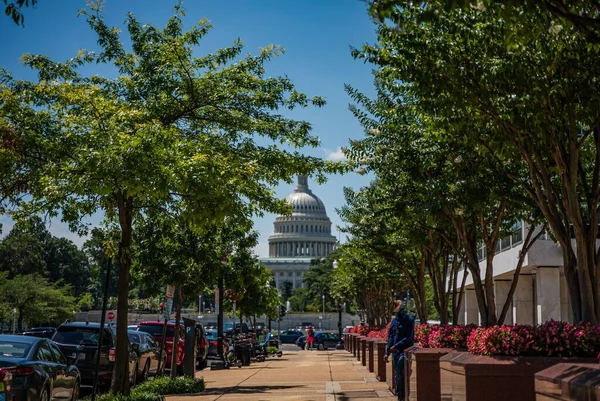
(110, 315)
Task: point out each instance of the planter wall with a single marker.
(422, 373)
(568, 381)
(371, 354)
(476, 378)
(363, 350)
(380, 365)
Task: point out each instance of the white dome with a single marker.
(307, 232)
(306, 203)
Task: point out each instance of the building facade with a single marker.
(299, 237)
(541, 292)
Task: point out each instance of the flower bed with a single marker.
(551, 339)
(371, 332)
(443, 335)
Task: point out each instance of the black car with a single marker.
(41, 372)
(322, 341)
(148, 354)
(42, 332)
(80, 340)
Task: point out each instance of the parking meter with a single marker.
(189, 359)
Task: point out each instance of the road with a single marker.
(299, 375)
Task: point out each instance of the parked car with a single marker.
(155, 329)
(290, 336)
(211, 337)
(210, 325)
(201, 345)
(228, 328)
(40, 371)
(259, 326)
(148, 354)
(132, 327)
(42, 332)
(322, 341)
(80, 340)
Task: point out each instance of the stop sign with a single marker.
(110, 315)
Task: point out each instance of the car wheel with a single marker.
(321, 347)
(44, 394)
(76, 391)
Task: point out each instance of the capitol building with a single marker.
(299, 237)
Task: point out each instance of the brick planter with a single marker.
(371, 354)
(363, 350)
(422, 373)
(359, 340)
(568, 381)
(477, 378)
(380, 365)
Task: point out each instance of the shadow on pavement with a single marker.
(246, 389)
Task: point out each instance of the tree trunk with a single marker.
(175, 354)
(120, 382)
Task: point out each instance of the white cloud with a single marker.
(337, 154)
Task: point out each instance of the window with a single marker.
(481, 252)
(517, 235)
(505, 243)
(44, 353)
(58, 355)
(13, 349)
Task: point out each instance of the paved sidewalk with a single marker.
(298, 375)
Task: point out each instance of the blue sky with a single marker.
(316, 34)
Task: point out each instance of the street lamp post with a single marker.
(339, 345)
(14, 320)
(323, 317)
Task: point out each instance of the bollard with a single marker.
(363, 345)
(358, 342)
(371, 347)
(381, 366)
(354, 344)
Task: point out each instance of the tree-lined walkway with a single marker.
(298, 375)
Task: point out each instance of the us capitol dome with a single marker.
(299, 237)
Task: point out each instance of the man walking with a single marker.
(400, 336)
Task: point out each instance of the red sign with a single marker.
(110, 315)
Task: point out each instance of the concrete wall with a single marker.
(290, 320)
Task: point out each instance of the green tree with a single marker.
(299, 300)
(23, 250)
(170, 128)
(286, 291)
(36, 300)
(13, 9)
(537, 100)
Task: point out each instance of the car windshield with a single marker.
(134, 338)
(156, 329)
(211, 335)
(81, 336)
(13, 349)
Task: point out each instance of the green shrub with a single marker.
(164, 386)
(156, 389)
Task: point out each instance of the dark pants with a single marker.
(399, 373)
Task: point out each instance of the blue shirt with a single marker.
(401, 334)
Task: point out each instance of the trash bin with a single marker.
(243, 353)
